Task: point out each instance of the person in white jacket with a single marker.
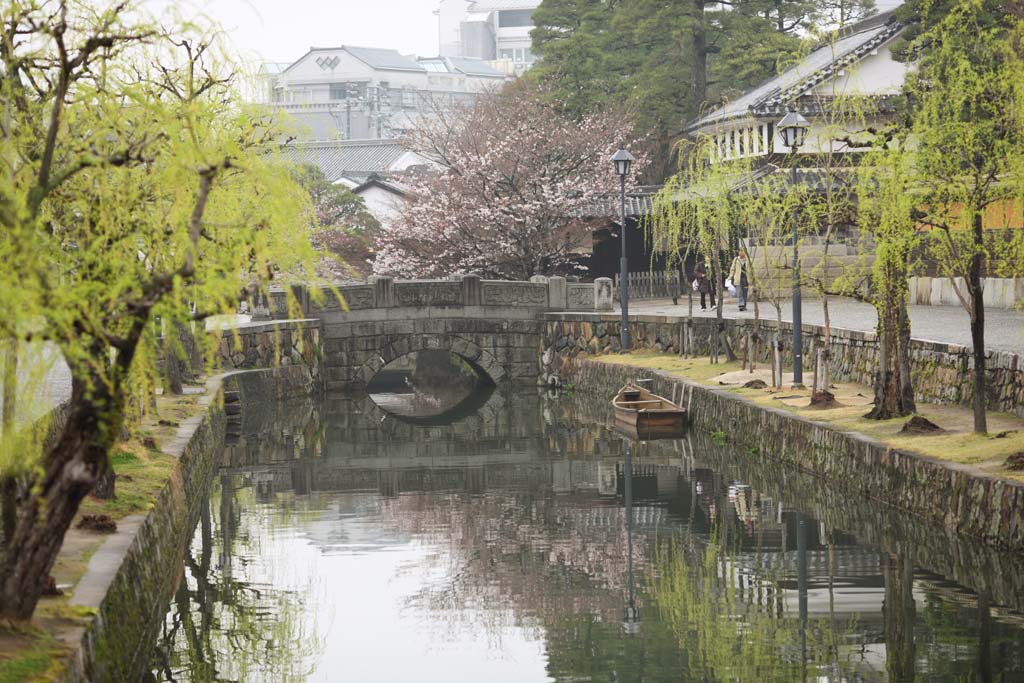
(738, 275)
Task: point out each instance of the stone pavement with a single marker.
(1004, 329)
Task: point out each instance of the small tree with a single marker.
(968, 139)
(520, 188)
(696, 213)
(886, 207)
(344, 230)
(136, 186)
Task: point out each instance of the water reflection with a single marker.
(530, 542)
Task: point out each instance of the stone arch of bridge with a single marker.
(482, 360)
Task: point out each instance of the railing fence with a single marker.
(652, 284)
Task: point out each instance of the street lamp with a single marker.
(793, 128)
(622, 160)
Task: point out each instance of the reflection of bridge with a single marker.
(494, 325)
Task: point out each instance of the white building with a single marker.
(358, 92)
(384, 198)
(859, 63)
(497, 31)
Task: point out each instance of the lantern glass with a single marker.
(622, 160)
(793, 128)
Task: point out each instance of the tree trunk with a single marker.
(700, 56)
(977, 293)
(907, 400)
(822, 380)
(8, 483)
(73, 465)
(899, 614)
(894, 392)
(716, 334)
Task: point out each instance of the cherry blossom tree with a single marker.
(517, 189)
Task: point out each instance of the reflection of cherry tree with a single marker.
(230, 619)
(528, 557)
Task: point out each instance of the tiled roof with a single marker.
(385, 182)
(382, 58)
(473, 67)
(774, 95)
(356, 159)
(385, 59)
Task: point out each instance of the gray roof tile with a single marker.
(355, 159)
(774, 94)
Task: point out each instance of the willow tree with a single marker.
(772, 203)
(697, 211)
(841, 129)
(886, 207)
(968, 140)
(133, 187)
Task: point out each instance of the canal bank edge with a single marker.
(942, 373)
(133, 575)
(945, 494)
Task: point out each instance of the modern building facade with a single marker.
(359, 93)
(497, 31)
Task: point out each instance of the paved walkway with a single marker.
(1004, 329)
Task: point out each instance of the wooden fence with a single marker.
(654, 284)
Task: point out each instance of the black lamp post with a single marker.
(793, 129)
(622, 159)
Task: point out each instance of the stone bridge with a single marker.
(496, 326)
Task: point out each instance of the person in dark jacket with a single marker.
(704, 286)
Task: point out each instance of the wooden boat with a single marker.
(647, 412)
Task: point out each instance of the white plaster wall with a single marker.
(385, 206)
(876, 74)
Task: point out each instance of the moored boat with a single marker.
(647, 412)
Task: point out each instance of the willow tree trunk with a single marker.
(72, 466)
(899, 615)
(8, 483)
(977, 313)
(894, 391)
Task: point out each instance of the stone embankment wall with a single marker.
(941, 372)
(116, 645)
(940, 493)
(272, 344)
(999, 292)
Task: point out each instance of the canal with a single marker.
(517, 537)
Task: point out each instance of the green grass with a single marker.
(38, 659)
(141, 475)
(698, 369)
(959, 444)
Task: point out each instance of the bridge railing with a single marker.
(539, 294)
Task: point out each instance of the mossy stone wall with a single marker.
(942, 373)
(944, 494)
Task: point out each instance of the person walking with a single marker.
(738, 275)
(703, 285)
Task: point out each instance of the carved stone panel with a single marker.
(428, 293)
(357, 297)
(581, 297)
(515, 294)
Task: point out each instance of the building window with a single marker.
(409, 98)
(344, 91)
(518, 56)
(511, 18)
